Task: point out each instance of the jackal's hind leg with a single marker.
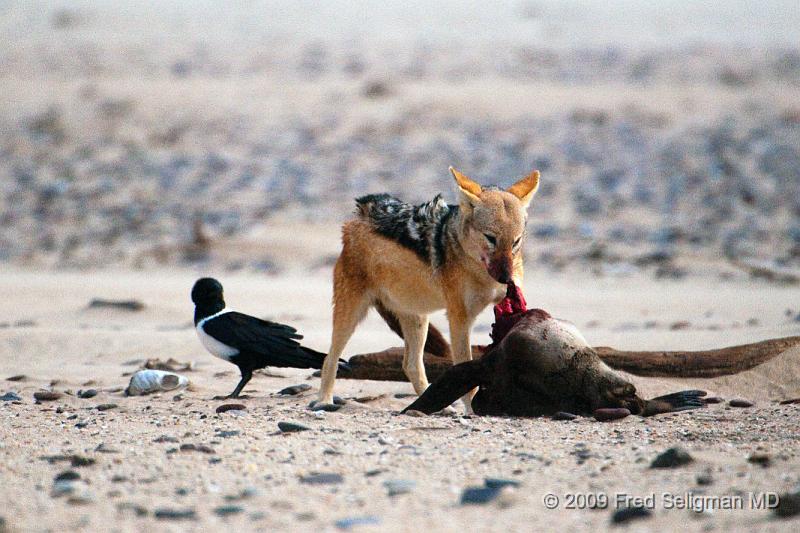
(350, 305)
(415, 329)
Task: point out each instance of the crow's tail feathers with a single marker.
(314, 359)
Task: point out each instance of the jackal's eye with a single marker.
(518, 241)
(492, 240)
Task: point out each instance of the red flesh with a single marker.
(508, 312)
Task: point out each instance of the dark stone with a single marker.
(788, 505)
(11, 397)
(713, 399)
(329, 407)
(67, 475)
(738, 402)
(175, 514)
(672, 458)
(106, 406)
(761, 459)
(227, 434)
(322, 479)
(88, 393)
(627, 514)
(165, 438)
(499, 483)
(351, 522)
(18, 377)
(479, 495)
(197, 448)
(563, 415)
(294, 390)
(231, 407)
(125, 305)
(80, 460)
(611, 413)
(46, 395)
(227, 510)
(291, 427)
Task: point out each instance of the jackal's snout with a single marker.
(501, 267)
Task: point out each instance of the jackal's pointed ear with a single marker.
(469, 191)
(525, 188)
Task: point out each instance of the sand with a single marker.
(51, 336)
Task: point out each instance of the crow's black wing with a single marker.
(275, 344)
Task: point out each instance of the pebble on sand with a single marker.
(10, 397)
(175, 514)
(788, 505)
(627, 514)
(294, 390)
(739, 402)
(353, 521)
(563, 415)
(230, 407)
(672, 458)
(291, 427)
(322, 479)
(47, 395)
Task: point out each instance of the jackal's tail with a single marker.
(435, 343)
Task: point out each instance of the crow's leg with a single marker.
(246, 375)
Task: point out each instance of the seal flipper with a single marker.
(677, 401)
(452, 385)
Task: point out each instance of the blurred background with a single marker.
(234, 135)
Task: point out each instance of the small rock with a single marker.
(788, 505)
(499, 483)
(80, 460)
(415, 413)
(563, 415)
(230, 407)
(405, 395)
(611, 413)
(67, 475)
(102, 448)
(704, 479)
(761, 459)
(197, 448)
(672, 458)
(89, 393)
(679, 325)
(626, 514)
(790, 401)
(137, 509)
(327, 407)
(11, 397)
(175, 514)
(225, 434)
(46, 395)
(165, 438)
(18, 377)
(227, 510)
(479, 495)
(106, 406)
(395, 487)
(291, 427)
(351, 522)
(739, 402)
(322, 479)
(294, 389)
(713, 399)
(125, 305)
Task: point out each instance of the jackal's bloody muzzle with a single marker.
(501, 267)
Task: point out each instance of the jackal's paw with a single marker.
(449, 411)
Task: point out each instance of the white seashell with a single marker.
(149, 381)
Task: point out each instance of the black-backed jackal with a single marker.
(409, 261)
